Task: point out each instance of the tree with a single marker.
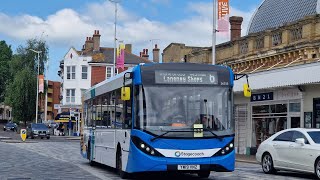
(5, 59)
(23, 95)
(22, 92)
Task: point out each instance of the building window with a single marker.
(84, 72)
(296, 34)
(109, 72)
(244, 47)
(276, 38)
(71, 93)
(259, 44)
(71, 72)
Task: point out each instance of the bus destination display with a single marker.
(186, 77)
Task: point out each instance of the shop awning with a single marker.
(291, 76)
(64, 117)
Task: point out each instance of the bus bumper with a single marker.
(138, 161)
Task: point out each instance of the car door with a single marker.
(301, 157)
(281, 149)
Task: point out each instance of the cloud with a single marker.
(68, 27)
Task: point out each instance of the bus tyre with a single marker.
(122, 174)
(92, 163)
(204, 174)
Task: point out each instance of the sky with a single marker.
(66, 23)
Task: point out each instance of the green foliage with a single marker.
(22, 96)
(5, 76)
(21, 93)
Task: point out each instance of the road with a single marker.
(61, 159)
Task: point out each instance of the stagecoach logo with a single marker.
(188, 154)
(177, 154)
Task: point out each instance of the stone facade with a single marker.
(292, 44)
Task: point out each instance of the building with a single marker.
(281, 54)
(53, 99)
(81, 69)
(5, 113)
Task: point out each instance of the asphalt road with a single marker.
(61, 160)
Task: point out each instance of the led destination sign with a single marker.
(186, 77)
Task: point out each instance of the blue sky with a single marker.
(66, 23)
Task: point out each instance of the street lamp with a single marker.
(38, 52)
(115, 34)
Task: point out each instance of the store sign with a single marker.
(186, 77)
(262, 97)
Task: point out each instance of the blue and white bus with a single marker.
(162, 117)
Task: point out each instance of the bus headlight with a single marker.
(144, 147)
(225, 150)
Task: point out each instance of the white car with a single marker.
(295, 149)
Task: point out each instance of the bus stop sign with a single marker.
(23, 134)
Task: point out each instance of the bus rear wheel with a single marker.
(122, 174)
(204, 174)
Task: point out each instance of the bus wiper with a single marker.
(161, 135)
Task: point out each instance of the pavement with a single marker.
(246, 158)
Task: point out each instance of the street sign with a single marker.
(23, 134)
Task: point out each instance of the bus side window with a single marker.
(119, 110)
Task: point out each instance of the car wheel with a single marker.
(267, 164)
(122, 174)
(41, 137)
(4, 129)
(48, 137)
(204, 174)
(317, 168)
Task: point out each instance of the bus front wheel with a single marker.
(204, 174)
(122, 174)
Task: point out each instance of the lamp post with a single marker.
(38, 52)
(214, 32)
(115, 34)
(46, 101)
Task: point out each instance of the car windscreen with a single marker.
(315, 136)
(39, 126)
(10, 124)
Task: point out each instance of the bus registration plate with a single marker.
(188, 167)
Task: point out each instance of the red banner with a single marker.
(120, 58)
(223, 15)
(41, 84)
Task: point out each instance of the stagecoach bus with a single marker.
(161, 117)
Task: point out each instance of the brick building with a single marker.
(281, 55)
(81, 69)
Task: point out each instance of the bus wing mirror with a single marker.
(246, 90)
(125, 93)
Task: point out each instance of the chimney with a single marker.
(145, 54)
(156, 53)
(96, 40)
(128, 48)
(235, 22)
(89, 43)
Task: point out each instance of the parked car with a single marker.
(38, 130)
(10, 126)
(295, 149)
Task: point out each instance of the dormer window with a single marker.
(276, 38)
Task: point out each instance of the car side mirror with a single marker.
(300, 141)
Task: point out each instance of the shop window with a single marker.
(286, 136)
(294, 107)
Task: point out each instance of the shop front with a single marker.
(281, 99)
(281, 110)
